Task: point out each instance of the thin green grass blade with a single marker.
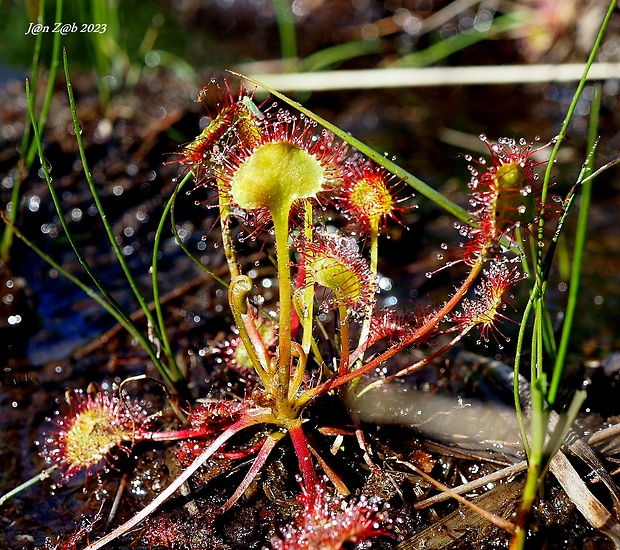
(95, 195)
(169, 209)
(34, 81)
(173, 371)
(288, 34)
(41, 476)
(58, 206)
(162, 332)
(578, 248)
(171, 205)
(29, 148)
(517, 367)
(420, 186)
(51, 83)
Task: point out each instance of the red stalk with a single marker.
(306, 466)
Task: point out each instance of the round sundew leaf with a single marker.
(275, 176)
(370, 200)
(94, 433)
(337, 276)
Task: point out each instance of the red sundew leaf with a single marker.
(328, 521)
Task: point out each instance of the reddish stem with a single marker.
(174, 435)
(306, 466)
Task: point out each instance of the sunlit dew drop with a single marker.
(385, 283)
(76, 214)
(391, 301)
(428, 274)
(440, 256)
(33, 203)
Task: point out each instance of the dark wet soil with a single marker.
(61, 341)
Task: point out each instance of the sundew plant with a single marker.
(274, 175)
(318, 203)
